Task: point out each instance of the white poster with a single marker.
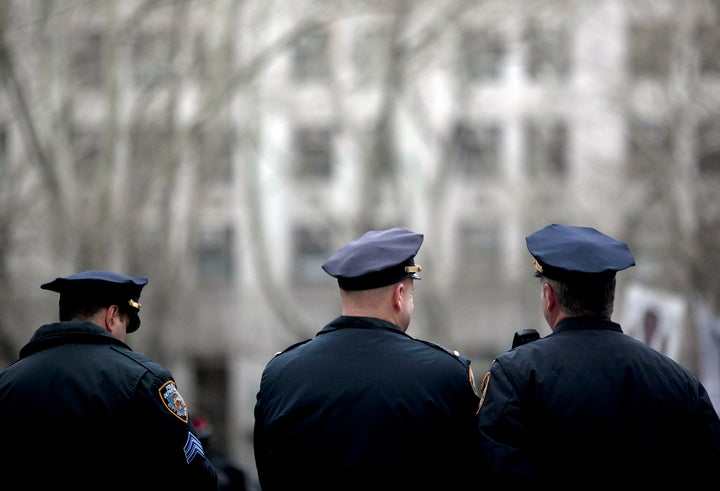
(655, 317)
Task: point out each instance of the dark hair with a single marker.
(586, 294)
(71, 308)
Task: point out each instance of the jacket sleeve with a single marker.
(504, 429)
(170, 446)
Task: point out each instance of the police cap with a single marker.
(377, 258)
(565, 251)
(102, 288)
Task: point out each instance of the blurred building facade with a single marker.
(474, 123)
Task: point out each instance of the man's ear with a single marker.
(549, 297)
(112, 314)
(397, 298)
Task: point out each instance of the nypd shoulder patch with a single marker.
(173, 401)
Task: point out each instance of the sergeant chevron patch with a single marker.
(173, 401)
(192, 448)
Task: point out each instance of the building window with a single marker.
(212, 389)
(151, 150)
(313, 151)
(86, 148)
(150, 143)
(370, 49)
(310, 56)
(200, 58)
(480, 253)
(708, 147)
(546, 148)
(3, 150)
(476, 148)
(86, 59)
(215, 258)
(214, 153)
(709, 46)
(650, 50)
(650, 146)
(547, 52)
(482, 54)
(311, 251)
(152, 62)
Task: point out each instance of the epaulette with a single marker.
(462, 359)
(454, 353)
(292, 346)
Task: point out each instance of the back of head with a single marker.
(81, 294)
(377, 258)
(581, 263)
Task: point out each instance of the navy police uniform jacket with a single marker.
(81, 410)
(590, 405)
(363, 405)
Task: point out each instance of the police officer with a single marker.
(587, 405)
(364, 405)
(82, 410)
